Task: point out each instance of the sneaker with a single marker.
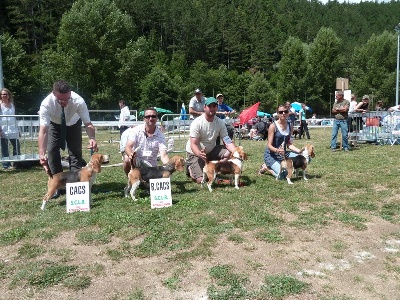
(333, 150)
(282, 175)
(346, 149)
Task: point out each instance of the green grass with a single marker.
(351, 189)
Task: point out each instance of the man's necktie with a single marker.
(63, 130)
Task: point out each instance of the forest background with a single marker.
(156, 52)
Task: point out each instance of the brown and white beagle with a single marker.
(232, 167)
(87, 173)
(142, 173)
(298, 162)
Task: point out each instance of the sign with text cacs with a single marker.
(78, 196)
(160, 192)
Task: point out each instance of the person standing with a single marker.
(362, 108)
(149, 139)
(124, 117)
(292, 114)
(55, 134)
(350, 119)
(201, 145)
(303, 122)
(196, 104)
(340, 110)
(222, 112)
(379, 106)
(9, 130)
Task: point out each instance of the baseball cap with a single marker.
(211, 100)
(197, 91)
(219, 95)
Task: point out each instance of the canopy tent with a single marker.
(249, 113)
(297, 106)
(263, 114)
(159, 110)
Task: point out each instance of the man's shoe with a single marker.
(56, 195)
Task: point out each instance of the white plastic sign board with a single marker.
(78, 196)
(160, 192)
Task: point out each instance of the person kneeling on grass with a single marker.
(279, 140)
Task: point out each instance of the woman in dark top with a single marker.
(279, 143)
(361, 107)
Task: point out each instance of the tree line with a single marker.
(157, 52)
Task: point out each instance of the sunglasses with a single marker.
(150, 116)
(283, 111)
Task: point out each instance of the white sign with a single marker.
(78, 196)
(160, 192)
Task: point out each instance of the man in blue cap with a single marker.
(201, 145)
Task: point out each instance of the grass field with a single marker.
(334, 237)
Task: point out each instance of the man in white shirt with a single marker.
(350, 119)
(50, 131)
(149, 139)
(124, 117)
(201, 145)
(196, 104)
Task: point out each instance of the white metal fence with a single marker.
(28, 129)
(381, 127)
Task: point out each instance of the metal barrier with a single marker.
(176, 128)
(379, 127)
(27, 132)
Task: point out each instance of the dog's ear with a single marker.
(96, 166)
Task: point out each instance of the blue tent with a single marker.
(297, 106)
(263, 114)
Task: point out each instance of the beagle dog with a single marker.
(142, 173)
(232, 167)
(87, 173)
(298, 162)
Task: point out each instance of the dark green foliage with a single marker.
(108, 50)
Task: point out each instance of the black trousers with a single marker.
(304, 128)
(74, 145)
(122, 129)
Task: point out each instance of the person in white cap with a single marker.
(196, 103)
